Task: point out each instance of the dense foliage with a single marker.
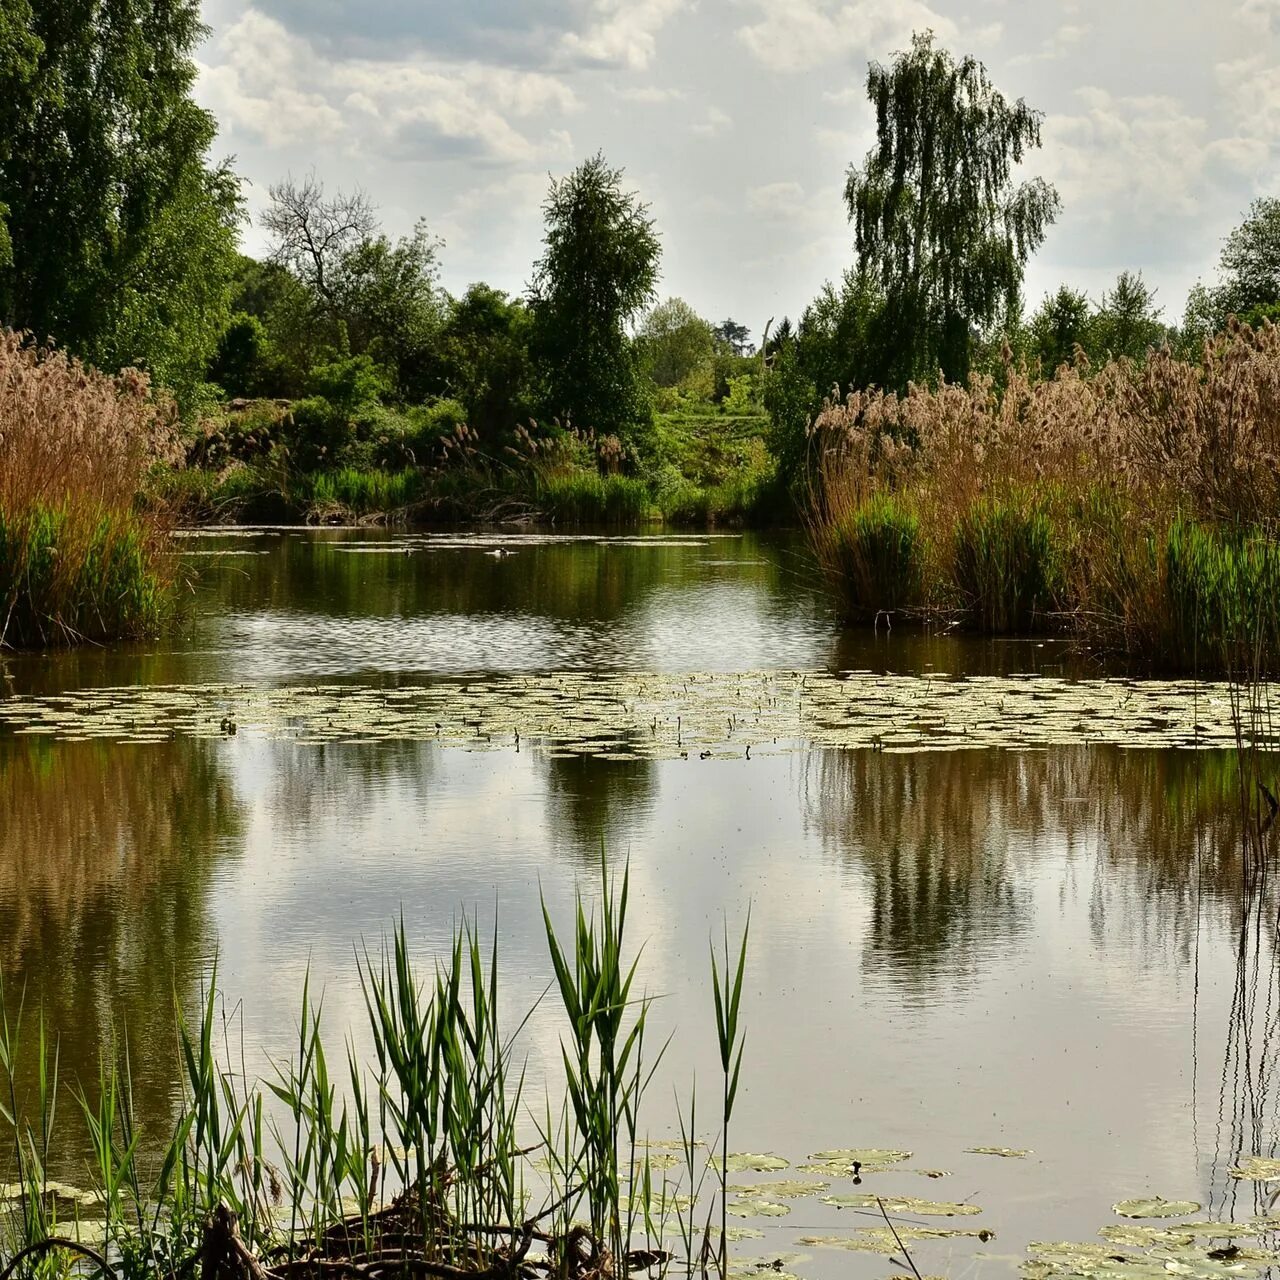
(120, 233)
(598, 271)
(939, 223)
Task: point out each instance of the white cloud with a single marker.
(623, 33)
(805, 34)
(276, 88)
(650, 93)
(1140, 159)
(783, 200)
(716, 122)
(1264, 14)
(1061, 44)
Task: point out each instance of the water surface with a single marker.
(1031, 945)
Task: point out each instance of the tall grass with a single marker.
(874, 550)
(78, 560)
(1069, 501)
(1008, 566)
(585, 497)
(410, 1163)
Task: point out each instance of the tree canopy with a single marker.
(597, 273)
(940, 223)
(120, 232)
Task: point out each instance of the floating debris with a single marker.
(1009, 1153)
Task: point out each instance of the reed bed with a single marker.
(78, 560)
(1131, 507)
(427, 1161)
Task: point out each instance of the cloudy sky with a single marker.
(736, 119)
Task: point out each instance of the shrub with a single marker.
(317, 433)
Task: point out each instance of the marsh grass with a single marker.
(874, 550)
(408, 1164)
(1103, 503)
(588, 498)
(78, 559)
(1007, 565)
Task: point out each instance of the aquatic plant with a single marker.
(78, 561)
(1074, 494)
(1006, 566)
(409, 1164)
(875, 556)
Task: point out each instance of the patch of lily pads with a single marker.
(903, 1204)
(637, 715)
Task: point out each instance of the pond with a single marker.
(994, 895)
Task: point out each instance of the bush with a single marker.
(317, 433)
(1006, 566)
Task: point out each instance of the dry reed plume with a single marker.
(1061, 498)
(77, 561)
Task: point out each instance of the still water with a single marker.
(954, 944)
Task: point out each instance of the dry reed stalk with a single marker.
(78, 561)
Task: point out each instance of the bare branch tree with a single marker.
(312, 232)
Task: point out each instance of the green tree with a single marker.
(840, 335)
(1128, 322)
(122, 233)
(597, 273)
(734, 337)
(485, 351)
(675, 342)
(1248, 277)
(1062, 322)
(19, 55)
(357, 291)
(939, 222)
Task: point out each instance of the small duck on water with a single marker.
(499, 552)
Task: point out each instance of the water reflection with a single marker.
(106, 862)
(951, 843)
(594, 803)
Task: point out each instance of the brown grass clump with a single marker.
(78, 561)
(1080, 501)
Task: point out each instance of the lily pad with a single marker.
(781, 1190)
(861, 1155)
(882, 1240)
(748, 1162)
(1257, 1169)
(757, 1209)
(903, 1204)
(1156, 1207)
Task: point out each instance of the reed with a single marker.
(873, 551)
(78, 560)
(410, 1163)
(1066, 502)
(586, 497)
(1007, 565)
